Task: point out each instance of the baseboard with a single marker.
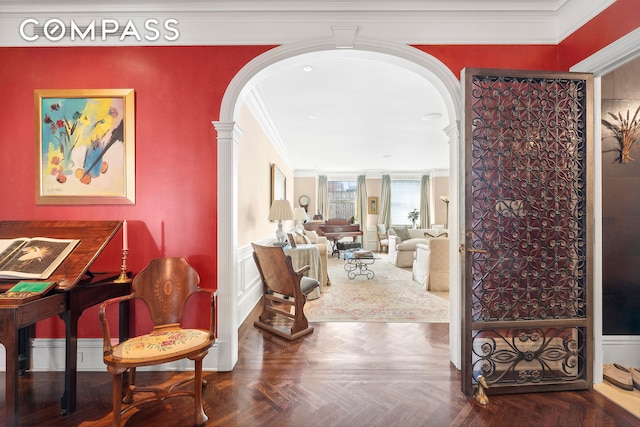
(48, 354)
(621, 349)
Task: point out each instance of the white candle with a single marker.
(125, 245)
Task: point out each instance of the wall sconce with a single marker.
(626, 131)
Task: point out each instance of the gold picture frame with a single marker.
(85, 143)
(372, 205)
(278, 184)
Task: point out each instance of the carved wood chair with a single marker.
(165, 286)
(383, 238)
(284, 288)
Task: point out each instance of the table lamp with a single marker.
(300, 216)
(280, 210)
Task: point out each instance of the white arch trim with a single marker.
(420, 62)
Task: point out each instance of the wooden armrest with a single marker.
(213, 295)
(303, 269)
(107, 348)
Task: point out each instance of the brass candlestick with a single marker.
(123, 269)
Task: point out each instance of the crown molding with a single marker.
(272, 22)
(257, 105)
(612, 56)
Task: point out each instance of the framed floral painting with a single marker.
(85, 144)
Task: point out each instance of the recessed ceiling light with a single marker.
(307, 68)
(311, 116)
(386, 156)
(431, 116)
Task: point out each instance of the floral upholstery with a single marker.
(162, 343)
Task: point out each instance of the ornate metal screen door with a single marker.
(527, 310)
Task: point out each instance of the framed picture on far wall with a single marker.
(372, 202)
(85, 146)
(278, 184)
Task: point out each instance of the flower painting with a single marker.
(86, 146)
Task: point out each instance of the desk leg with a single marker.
(125, 324)
(10, 342)
(68, 401)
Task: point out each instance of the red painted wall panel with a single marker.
(617, 20)
(178, 92)
(178, 95)
(523, 57)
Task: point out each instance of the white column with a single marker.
(227, 343)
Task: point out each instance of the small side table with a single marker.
(357, 264)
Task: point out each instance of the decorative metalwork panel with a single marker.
(529, 356)
(528, 185)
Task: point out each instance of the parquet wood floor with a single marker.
(344, 374)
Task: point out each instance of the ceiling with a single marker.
(353, 111)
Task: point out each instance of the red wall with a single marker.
(178, 91)
(529, 57)
(619, 19)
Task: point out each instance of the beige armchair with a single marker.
(431, 266)
(383, 238)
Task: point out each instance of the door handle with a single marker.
(461, 249)
(477, 251)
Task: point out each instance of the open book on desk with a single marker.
(33, 257)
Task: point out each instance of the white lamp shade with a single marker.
(280, 210)
(299, 214)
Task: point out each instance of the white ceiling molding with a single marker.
(611, 57)
(272, 22)
(257, 105)
(344, 36)
(575, 14)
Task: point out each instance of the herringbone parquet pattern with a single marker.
(344, 374)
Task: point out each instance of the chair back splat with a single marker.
(165, 285)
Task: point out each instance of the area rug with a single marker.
(391, 296)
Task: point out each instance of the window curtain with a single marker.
(425, 189)
(323, 196)
(385, 202)
(361, 205)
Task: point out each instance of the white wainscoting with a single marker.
(621, 349)
(48, 354)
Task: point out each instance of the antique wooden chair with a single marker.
(383, 238)
(164, 285)
(284, 288)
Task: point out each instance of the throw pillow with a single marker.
(301, 239)
(312, 236)
(402, 232)
(435, 233)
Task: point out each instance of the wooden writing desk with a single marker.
(79, 289)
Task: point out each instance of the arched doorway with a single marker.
(228, 133)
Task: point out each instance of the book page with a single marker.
(35, 259)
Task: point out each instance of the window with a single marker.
(342, 199)
(405, 197)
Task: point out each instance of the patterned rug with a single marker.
(391, 296)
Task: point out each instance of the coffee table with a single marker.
(358, 263)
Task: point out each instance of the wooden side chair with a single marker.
(383, 238)
(164, 285)
(284, 288)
